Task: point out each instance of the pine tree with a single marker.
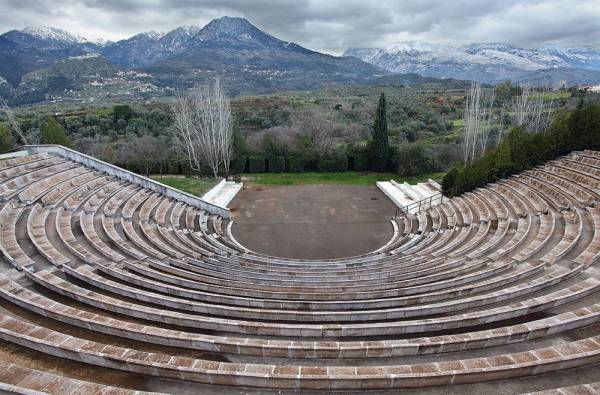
(380, 147)
(54, 133)
(6, 140)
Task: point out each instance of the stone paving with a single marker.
(312, 221)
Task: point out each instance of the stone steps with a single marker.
(499, 283)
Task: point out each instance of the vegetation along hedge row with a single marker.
(571, 131)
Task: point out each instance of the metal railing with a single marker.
(424, 203)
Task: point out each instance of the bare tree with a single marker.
(478, 119)
(202, 127)
(530, 111)
(316, 129)
(13, 120)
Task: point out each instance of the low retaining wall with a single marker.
(214, 190)
(116, 171)
(15, 154)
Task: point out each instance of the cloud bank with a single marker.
(328, 26)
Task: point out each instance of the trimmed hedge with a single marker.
(276, 164)
(333, 164)
(361, 162)
(238, 165)
(256, 164)
(295, 164)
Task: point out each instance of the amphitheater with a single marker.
(111, 283)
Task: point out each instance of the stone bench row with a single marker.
(475, 316)
(15, 378)
(16, 294)
(542, 360)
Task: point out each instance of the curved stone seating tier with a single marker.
(13, 186)
(503, 277)
(543, 360)
(501, 282)
(75, 198)
(112, 205)
(535, 201)
(17, 379)
(20, 166)
(22, 160)
(58, 194)
(211, 296)
(36, 230)
(13, 292)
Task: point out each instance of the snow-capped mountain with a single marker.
(178, 38)
(135, 51)
(580, 57)
(35, 47)
(52, 33)
(250, 60)
(247, 59)
(148, 48)
(488, 62)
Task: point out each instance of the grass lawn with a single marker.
(194, 185)
(343, 178)
(199, 186)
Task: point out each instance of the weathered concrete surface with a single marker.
(312, 221)
(112, 170)
(222, 193)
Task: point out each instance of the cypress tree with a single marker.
(54, 133)
(380, 147)
(6, 140)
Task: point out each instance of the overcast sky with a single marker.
(328, 25)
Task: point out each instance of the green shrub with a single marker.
(6, 140)
(122, 111)
(361, 162)
(276, 164)
(411, 159)
(335, 163)
(521, 150)
(296, 164)
(54, 133)
(256, 164)
(238, 165)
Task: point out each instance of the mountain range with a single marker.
(247, 59)
(44, 63)
(490, 63)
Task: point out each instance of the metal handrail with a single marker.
(423, 202)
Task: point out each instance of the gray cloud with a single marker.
(329, 26)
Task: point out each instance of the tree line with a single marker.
(144, 139)
(520, 149)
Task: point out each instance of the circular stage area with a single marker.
(312, 221)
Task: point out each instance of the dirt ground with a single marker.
(312, 221)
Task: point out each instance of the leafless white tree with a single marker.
(225, 129)
(202, 127)
(12, 120)
(530, 111)
(478, 119)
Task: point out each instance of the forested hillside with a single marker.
(325, 130)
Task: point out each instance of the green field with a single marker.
(194, 185)
(342, 178)
(199, 186)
